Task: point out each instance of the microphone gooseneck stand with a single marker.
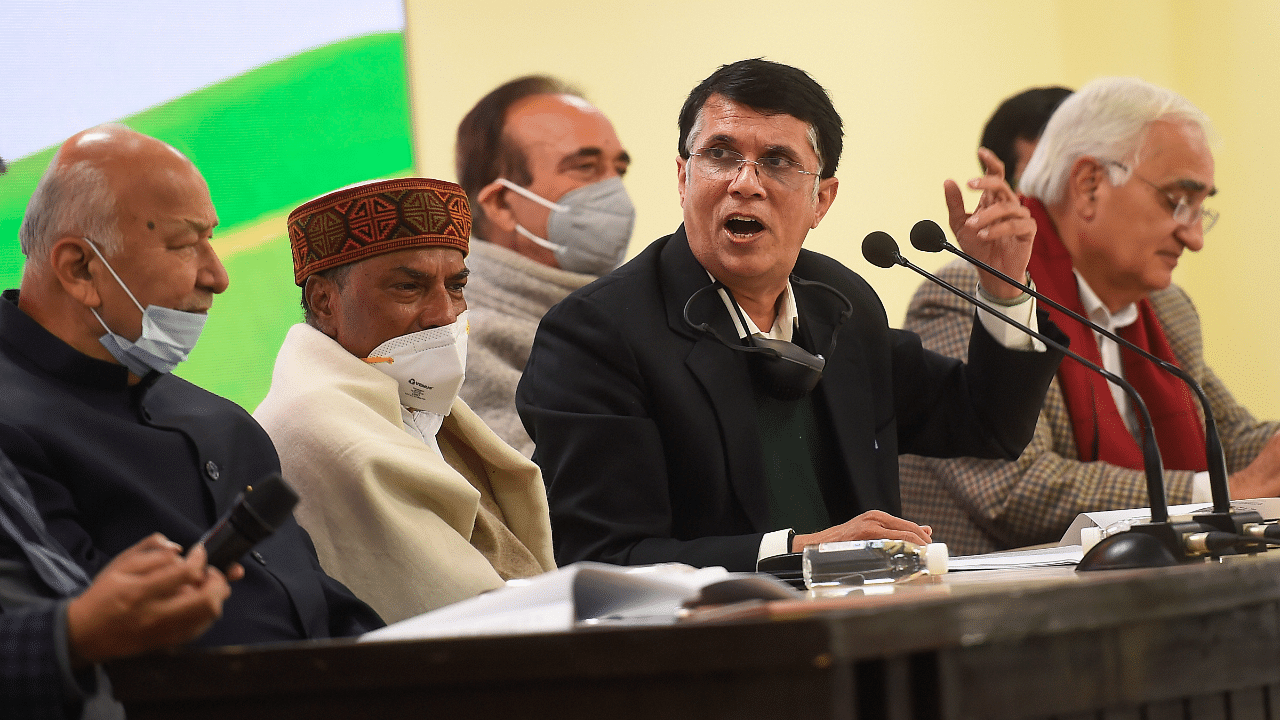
(927, 236)
(1158, 542)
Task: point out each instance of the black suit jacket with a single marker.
(646, 428)
(109, 463)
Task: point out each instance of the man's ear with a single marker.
(1087, 175)
(321, 295)
(492, 199)
(826, 195)
(69, 261)
(681, 176)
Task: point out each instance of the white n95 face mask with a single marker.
(168, 335)
(588, 229)
(429, 365)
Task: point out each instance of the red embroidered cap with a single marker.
(378, 217)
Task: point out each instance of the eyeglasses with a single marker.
(1184, 213)
(719, 164)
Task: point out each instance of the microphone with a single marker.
(256, 513)
(927, 236)
(786, 370)
(1159, 542)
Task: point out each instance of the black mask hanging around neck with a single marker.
(784, 370)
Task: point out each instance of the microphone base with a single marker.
(1144, 545)
(1234, 522)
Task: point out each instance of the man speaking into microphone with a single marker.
(727, 396)
(1118, 188)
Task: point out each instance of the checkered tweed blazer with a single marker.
(31, 681)
(978, 506)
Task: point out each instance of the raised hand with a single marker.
(999, 231)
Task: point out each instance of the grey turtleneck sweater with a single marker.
(507, 295)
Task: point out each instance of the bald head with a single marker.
(88, 184)
(554, 144)
(120, 221)
(122, 153)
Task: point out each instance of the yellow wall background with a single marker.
(914, 81)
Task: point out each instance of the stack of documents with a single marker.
(1056, 556)
(1268, 508)
(587, 594)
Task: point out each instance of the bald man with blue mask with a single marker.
(120, 273)
(543, 170)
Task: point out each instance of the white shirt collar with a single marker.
(422, 425)
(784, 323)
(1098, 312)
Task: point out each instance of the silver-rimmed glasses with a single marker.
(1184, 213)
(718, 163)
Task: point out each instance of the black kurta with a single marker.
(109, 463)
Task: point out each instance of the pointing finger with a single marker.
(955, 205)
(990, 162)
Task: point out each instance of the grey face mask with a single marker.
(168, 335)
(589, 228)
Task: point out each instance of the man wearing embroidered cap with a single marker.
(411, 499)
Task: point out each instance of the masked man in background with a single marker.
(543, 170)
(408, 494)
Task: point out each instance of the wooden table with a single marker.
(1192, 641)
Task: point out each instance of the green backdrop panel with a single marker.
(266, 141)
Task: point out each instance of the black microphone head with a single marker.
(788, 371)
(880, 249)
(271, 500)
(926, 236)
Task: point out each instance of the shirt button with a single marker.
(211, 469)
(258, 556)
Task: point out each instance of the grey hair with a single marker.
(1107, 119)
(336, 275)
(70, 200)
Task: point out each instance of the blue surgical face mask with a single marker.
(168, 335)
(589, 227)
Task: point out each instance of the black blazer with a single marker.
(109, 463)
(646, 428)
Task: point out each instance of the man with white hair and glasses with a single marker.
(1118, 186)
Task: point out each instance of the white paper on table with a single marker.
(581, 593)
(1039, 557)
(1268, 508)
